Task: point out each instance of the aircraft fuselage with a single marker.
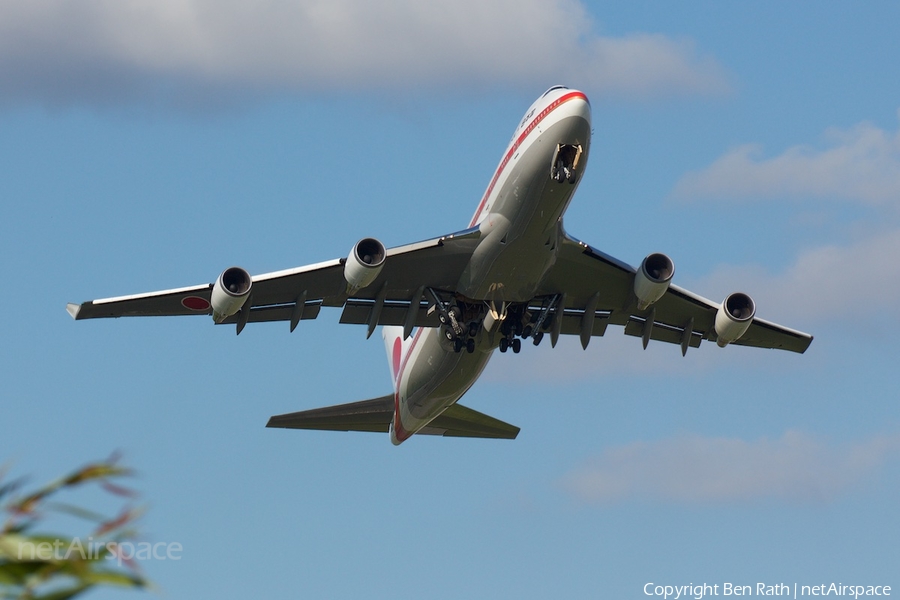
(520, 221)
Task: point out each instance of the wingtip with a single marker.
(73, 309)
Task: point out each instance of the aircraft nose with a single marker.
(579, 106)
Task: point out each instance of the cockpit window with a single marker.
(555, 87)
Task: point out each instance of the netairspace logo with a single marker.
(121, 552)
(700, 591)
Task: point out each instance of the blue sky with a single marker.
(150, 145)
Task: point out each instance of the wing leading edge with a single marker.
(376, 415)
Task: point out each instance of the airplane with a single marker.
(445, 304)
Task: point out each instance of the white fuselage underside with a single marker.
(520, 222)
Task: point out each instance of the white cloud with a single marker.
(855, 281)
(861, 164)
(692, 469)
(58, 51)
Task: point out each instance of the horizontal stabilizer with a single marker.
(460, 421)
(368, 415)
(376, 415)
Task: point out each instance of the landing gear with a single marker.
(509, 339)
(459, 332)
(460, 344)
(565, 163)
(560, 172)
(563, 173)
(451, 318)
(515, 344)
(538, 337)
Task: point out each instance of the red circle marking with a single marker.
(195, 303)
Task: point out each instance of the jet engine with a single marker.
(364, 264)
(652, 280)
(230, 292)
(734, 318)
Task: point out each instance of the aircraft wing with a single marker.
(377, 414)
(295, 294)
(586, 280)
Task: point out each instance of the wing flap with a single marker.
(573, 323)
(661, 332)
(359, 312)
(282, 312)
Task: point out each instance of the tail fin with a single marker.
(396, 347)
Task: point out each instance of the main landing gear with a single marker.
(507, 343)
(524, 323)
(453, 324)
(461, 322)
(459, 344)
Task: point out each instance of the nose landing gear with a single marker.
(565, 163)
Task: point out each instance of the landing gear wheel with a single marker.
(470, 345)
(538, 337)
(457, 345)
(516, 345)
(449, 335)
(560, 173)
(571, 177)
(527, 331)
(473, 328)
(504, 344)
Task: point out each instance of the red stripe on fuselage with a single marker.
(512, 149)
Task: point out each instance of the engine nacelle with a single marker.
(652, 280)
(230, 292)
(364, 264)
(734, 318)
